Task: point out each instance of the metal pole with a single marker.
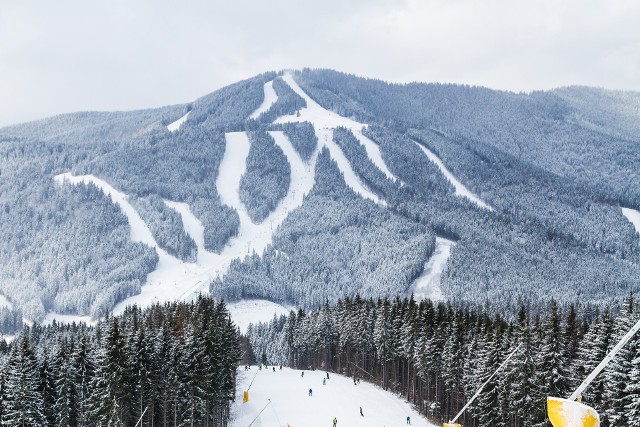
(265, 407)
(144, 412)
(485, 383)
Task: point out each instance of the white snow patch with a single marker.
(66, 319)
(460, 189)
(427, 285)
(350, 177)
(270, 98)
(255, 311)
(633, 216)
(176, 125)
(4, 302)
(291, 404)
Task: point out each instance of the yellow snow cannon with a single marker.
(570, 412)
(452, 423)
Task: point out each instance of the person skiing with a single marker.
(335, 422)
(274, 369)
(327, 375)
(361, 411)
(310, 392)
(302, 374)
(324, 381)
(408, 420)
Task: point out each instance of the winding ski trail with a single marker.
(176, 125)
(633, 216)
(270, 98)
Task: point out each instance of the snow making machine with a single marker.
(571, 412)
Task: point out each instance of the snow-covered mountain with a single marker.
(303, 186)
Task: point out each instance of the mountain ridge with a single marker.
(556, 186)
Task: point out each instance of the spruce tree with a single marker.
(23, 399)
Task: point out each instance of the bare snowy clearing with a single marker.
(255, 311)
(633, 216)
(176, 125)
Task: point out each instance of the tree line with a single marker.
(169, 365)
(438, 355)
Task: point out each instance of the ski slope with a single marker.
(460, 189)
(427, 285)
(270, 98)
(292, 406)
(255, 311)
(633, 216)
(176, 125)
(323, 120)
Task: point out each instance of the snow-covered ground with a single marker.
(460, 189)
(4, 302)
(633, 216)
(291, 404)
(373, 151)
(427, 285)
(176, 125)
(270, 98)
(255, 311)
(66, 318)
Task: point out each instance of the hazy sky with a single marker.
(71, 55)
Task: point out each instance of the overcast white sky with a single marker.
(72, 55)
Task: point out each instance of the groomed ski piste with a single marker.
(284, 396)
(427, 285)
(174, 279)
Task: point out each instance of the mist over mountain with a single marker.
(307, 186)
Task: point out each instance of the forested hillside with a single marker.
(437, 355)
(176, 364)
(349, 198)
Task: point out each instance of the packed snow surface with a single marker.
(460, 189)
(255, 311)
(291, 405)
(427, 285)
(270, 98)
(66, 318)
(633, 216)
(176, 125)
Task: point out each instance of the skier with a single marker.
(310, 392)
(408, 420)
(281, 367)
(335, 422)
(354, 380)
(327, 375)
(302, 375)
(324, 381)
(274, 369)
(361, 411)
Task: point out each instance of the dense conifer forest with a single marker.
(437, 355)
(175, 363)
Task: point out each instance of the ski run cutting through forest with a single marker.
(175, 279)
(460, 188)
(285, 393)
